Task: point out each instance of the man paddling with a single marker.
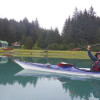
(96, 60)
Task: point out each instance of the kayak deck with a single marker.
(26, 65)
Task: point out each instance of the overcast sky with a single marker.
(50, 13)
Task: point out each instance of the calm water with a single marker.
(43, 87)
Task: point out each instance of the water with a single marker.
(40, 86)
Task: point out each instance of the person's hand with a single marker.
(88, 47)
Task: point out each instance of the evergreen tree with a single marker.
(82, 28)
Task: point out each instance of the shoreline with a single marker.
(49, 53)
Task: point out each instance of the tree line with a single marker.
(81, 29)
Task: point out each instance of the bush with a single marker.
(52, 47)
(37, 48)
(56, 46)
(23, 47)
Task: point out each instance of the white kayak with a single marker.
(65, 71)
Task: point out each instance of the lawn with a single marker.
(49, 53)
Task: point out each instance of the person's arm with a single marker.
(90, 54)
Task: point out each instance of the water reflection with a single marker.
(83, 88)
(7, 72)
(11, 73)
(3, 59)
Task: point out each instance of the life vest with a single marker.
(96, 66)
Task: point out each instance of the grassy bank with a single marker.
(49, 53)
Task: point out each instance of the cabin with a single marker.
(3, 44)
(16, 45)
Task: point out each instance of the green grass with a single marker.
(50, 53)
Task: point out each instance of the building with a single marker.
(3, 44)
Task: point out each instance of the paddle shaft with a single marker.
(85, 47)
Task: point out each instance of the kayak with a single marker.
(66, 70)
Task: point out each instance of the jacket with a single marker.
(96, 63)
(91, 56)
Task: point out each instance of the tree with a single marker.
(91, 11)
(81, 28)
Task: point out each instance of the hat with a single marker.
(97, 54)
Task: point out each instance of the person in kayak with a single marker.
(96, 60)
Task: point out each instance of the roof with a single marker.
(4, 42)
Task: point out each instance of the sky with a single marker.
(50, 13)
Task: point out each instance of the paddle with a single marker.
(85, 47)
